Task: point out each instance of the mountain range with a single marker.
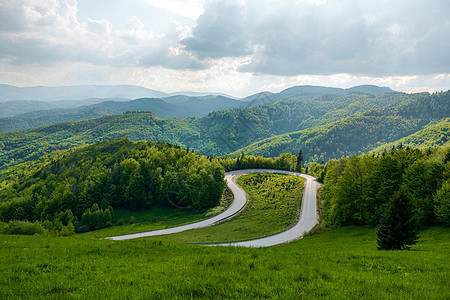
(322, 126)
(26, 114)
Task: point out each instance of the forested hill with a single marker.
(345, 127)
(20, 146)
(432, 135)
(116, 173)
(361, 132)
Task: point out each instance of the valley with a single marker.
(75, 194)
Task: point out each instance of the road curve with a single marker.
(307, 220)
(240, 199)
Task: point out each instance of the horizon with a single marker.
(204, 93)
(237, 48)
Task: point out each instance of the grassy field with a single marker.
(339, 264)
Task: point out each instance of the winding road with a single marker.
(307, 220)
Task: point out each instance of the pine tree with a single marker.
(299, 161)
(397, 229)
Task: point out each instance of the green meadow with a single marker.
(340, 264)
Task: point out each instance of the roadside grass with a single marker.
(274, 202)
(340, 264)
(128, 221)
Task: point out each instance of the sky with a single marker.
(235, 47)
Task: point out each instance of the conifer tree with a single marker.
(299, 161)
(397, 230)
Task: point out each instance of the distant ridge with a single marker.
(82, 92)
(307, 90)
(79, 92)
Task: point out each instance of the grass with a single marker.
(273, 205)
(128, 221)
(339, 264)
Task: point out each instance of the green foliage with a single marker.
(442, 202)
(435, 134)
(95, 218)
(22, 227)
(286, 161)
(356, 190)
(398, 229)
(116, 173)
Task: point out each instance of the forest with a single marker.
(83, 185)
(356, 190)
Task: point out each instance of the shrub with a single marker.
(23, 227)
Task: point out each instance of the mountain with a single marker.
(199, 94)
(362, 131)
(336, 127)
(308, 90)
(180, 107)
(80, 92)
(19, 107)
(352, 135)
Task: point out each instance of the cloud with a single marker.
(188, 8)
(47, 32)
(327, 37)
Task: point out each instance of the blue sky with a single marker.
(235, 47)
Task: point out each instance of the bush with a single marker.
(23, 227)
(67, 230)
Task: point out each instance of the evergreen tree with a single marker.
(397, 229)
(299, 161)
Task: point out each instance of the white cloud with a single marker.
(53, 34)
(188, 8)
(236, 47)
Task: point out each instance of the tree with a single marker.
(397, 229)
(299, 160)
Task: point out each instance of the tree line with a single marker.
(359, 190)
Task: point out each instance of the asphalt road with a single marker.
(308, 216)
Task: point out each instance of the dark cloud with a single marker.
(218, 32)
(358, 37)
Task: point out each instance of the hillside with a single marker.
(20, 146)
(223, 132)
(433, 135)
(357, 133)
(117, 173)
